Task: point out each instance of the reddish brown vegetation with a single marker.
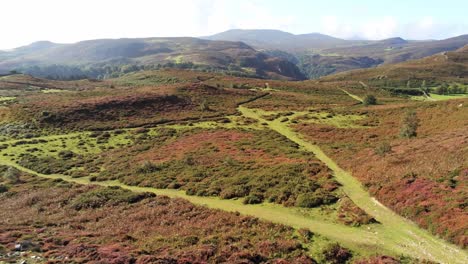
(153, 230)
(423, 178)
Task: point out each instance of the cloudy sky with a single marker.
(65, 21)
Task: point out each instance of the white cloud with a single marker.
(26, 21)
(380, 28)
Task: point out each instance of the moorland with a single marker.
(171, 165)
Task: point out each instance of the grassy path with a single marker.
(353, 96)
(400, 235)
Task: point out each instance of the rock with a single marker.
(18, 247)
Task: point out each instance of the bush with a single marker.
(410, 125)
(318, 198)
(3, 188)
(253, 199)
(335, 254)
(12, 175)
(308, 201)
(383, 149)
(234, 192)
(66, 154)
(148, 167)
(108, 196)
(370, 100)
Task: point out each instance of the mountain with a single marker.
(276, 39)
(233, 57)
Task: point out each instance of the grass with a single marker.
(332, 119)
(439, 97)
(6, 98)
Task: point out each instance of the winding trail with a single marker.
(400, 234)
(394, 236)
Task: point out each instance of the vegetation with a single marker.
(370, 100)
(410, 125)
(294, 153)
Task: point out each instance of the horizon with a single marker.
(203, 37)
(73, 21)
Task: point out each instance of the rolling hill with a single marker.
(318, 55)
(446, 66)
(280, 40)
(104, 57)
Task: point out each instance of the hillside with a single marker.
(321, 55)
(110, 57)
(447, 66)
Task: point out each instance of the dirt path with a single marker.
(399, 234)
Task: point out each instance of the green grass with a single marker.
(6, 98)
(336, 120)
(439, 97)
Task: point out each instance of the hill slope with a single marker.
(318, 55)
(235, 57)
(447, 66)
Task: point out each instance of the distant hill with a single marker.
(449, 66)
(320, 55)
(280, 40)
(67, 59)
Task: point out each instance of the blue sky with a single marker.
(65, 21)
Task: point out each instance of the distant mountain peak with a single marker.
(393, 41)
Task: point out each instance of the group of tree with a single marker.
(106, 71)
(444, 88)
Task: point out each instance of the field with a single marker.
(307, 155)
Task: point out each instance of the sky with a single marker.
(68, 21)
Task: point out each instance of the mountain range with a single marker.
(270, 54)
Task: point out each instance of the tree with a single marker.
(370, 100)
(410, 125)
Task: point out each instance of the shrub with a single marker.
(12, 175)
(308, 200)
(318, 198)
(66, 154)
(335, 254)
(370, 100)
(253, 199)
(148, 167)
(3, 188)
(204, 106)
(234, 192)
(383, 149)
(410, 125)
(108, 196)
